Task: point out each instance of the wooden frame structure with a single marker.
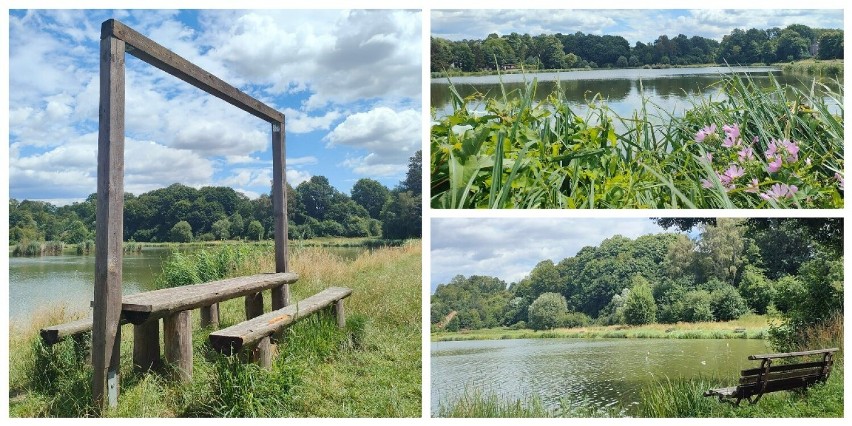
(116, 40)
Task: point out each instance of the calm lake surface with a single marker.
(587, 372)
(50, 282)
(671, 89)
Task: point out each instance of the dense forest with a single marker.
(579, 50)
(792, 267)
(180, 213)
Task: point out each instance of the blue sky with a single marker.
(508, 248)
(349, 83)
(643, 25)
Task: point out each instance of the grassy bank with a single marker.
(458, 73)
(827, 68)
(372, 368)
(747, 327)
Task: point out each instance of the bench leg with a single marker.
(263, 353)
(177, 330)
(338, 312)
(280, 297)
(146, 345)
(254, 305)
(210, 316)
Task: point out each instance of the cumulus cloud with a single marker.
(509, 248)
(389, 136)
(320, 67)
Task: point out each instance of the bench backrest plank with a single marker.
(232, 339)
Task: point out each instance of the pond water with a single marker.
(49, 282)
(673, 89)
(595, 373)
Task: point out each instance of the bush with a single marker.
(547, 311)
(727, 304)
(574, 319)
(696, 306)
(255, 230)
(756, 289)
(639, 308)
(789, 292)
(181, 232)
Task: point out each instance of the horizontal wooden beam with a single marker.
(233, 339)
(141, 307)
(789, 354)
(55, 333)
(153, 53)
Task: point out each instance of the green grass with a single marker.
(748, 327)
(371, 368)
(526, 154)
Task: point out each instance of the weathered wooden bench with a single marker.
(256, 333)
(755, 382)
(143, 310)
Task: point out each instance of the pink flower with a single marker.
(746, 154)
(791, 149)
(734, 172)
(772, 149)
(774, 165)
(839, 178)
(706, 183)
(709, 157)
(730, 143)
(731, 132)
(753, 186)
(778, 191)
(703, 133)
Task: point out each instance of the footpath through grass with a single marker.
(372, 368)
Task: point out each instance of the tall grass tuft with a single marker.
(479, 404)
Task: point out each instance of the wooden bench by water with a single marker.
(755, 382)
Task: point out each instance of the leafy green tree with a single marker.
(727, 304)
(696, 306)
(413, 178)
(791, 46)
(831, 45)
(546, 311)
(237, 225)
(317, 196)
(639, 307)
(221, 229)
(720, 249)
(371, 195)
(401, 216)
(181, 232)
(789, 293)
(255, 230)
(756, 289)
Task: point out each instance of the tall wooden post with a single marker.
(109, 233)
(280, 295)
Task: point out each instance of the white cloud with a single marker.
(509, 248)
(302, 122)
(389, 137)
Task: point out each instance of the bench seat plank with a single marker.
(141, 307)
(790, 354)
(233, 339)
(55, 333)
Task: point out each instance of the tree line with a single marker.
(179, 213)
(792, 267)
(579, 50)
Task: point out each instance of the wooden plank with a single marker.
(109, 232)
(210, 316)
(141, 307)
(233, 339)
(55, 333)
(784, 367)
(153, 53)
(146, 345)
(280, 295)
(782, 375)
(789, 354)
(177, 333)
(254, 305)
